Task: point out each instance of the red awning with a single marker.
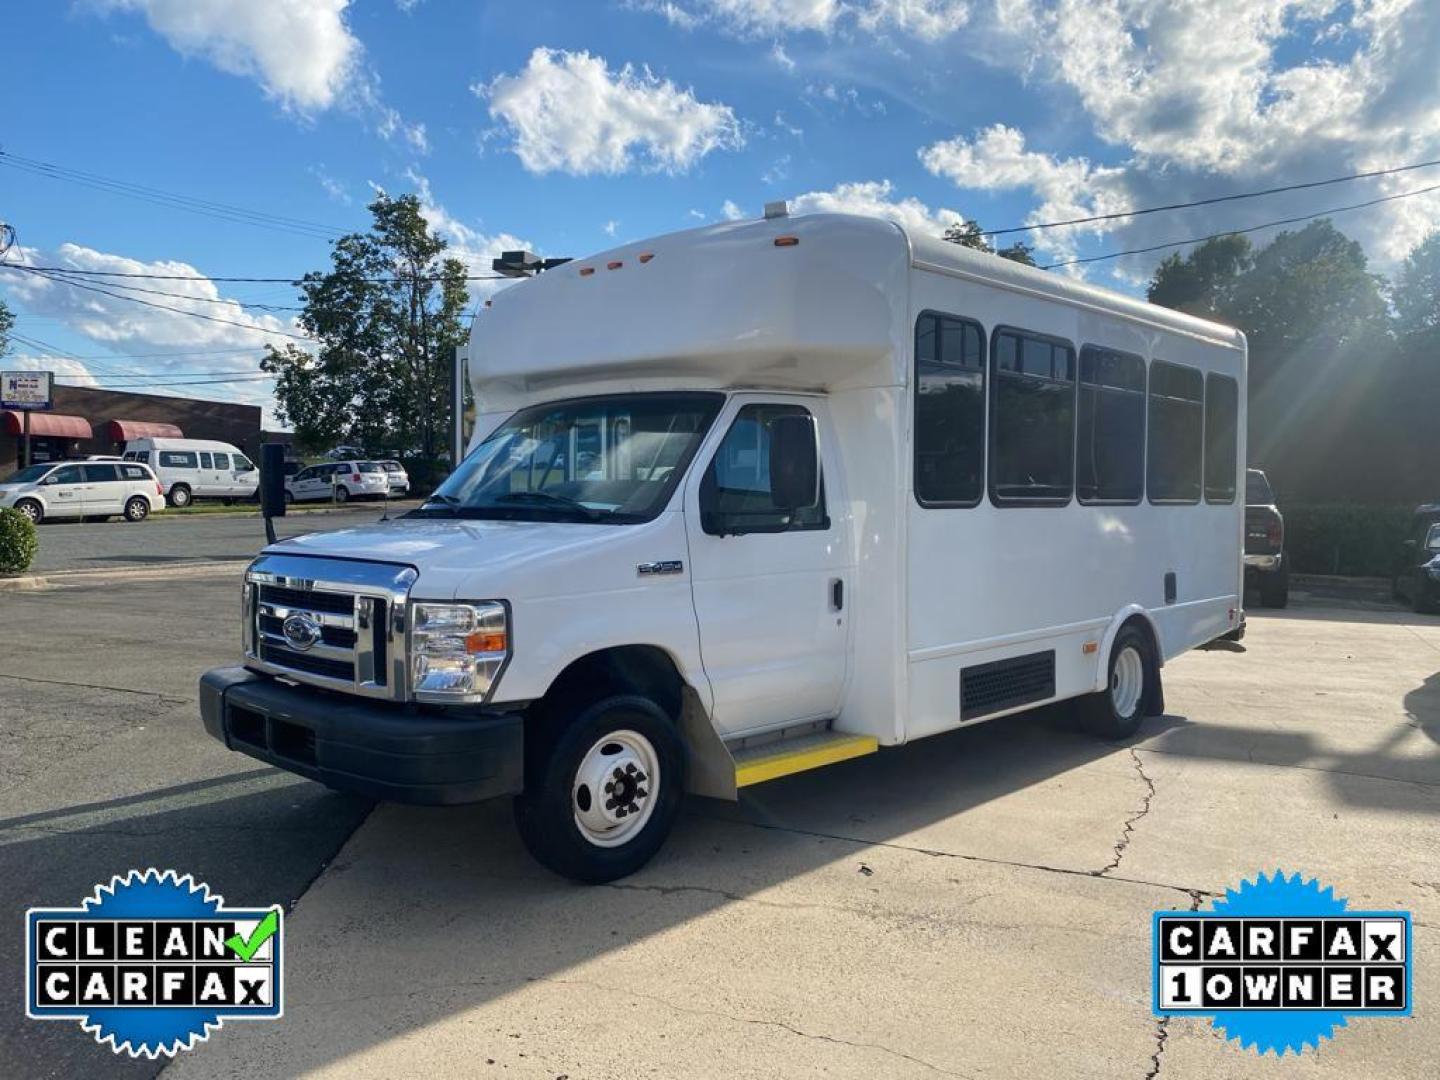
(125, 430)
(47, 423)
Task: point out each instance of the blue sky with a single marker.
(571, 126)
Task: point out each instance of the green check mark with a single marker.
(245, 948)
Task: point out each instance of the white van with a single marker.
(92, 489)
(192, 469)
(752, 499)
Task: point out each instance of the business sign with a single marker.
(26, 389)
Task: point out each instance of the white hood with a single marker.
(484, 559)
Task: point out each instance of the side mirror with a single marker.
(794, 463)
(272, 480)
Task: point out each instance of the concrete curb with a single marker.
(69, 579)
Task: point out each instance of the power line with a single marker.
(1211, 201)
(171, 200)
(240, 280)
(182, 382)
(1241, 232)
(60, 276)
(153, 304)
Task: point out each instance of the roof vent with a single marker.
(776, 209)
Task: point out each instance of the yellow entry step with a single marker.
(755, 765)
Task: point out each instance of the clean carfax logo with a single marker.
(1280, 963)
(152, 962)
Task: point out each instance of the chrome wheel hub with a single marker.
(615, 788)
(1127, 681)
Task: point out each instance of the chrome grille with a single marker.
(350, 633)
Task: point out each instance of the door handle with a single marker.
(837, 594)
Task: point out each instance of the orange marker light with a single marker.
(586, 271)
(646, 256)
(485, 641)
(786, 241)
(616, 265)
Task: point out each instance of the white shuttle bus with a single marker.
(752, 499)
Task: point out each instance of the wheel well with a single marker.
(625, 669)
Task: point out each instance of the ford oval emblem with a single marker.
(301, 632)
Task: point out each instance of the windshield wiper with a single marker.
(545, 498)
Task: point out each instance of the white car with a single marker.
(84, 489)
(191, 469)
(340, 481)
(399, 478)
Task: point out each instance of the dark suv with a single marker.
(1265, 564)
(1417, 577)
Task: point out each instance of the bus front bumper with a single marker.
(377, 750)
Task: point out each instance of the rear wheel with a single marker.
(1117, 711)
(1275, 588)
(137, 509)
(602, 793)
(342, 494)
(180, 496)
(32, 510)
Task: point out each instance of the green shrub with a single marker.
(18, 542)
(1358, 541)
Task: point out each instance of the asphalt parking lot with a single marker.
(974, 905)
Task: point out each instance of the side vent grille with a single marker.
(1006, 684)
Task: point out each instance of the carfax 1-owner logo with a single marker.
(152, 962)
(1279, 963)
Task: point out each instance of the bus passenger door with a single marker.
(770, 585)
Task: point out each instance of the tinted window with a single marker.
(242, 463)
(1032, 419)
(392, 466)
(736, 486)
(205, 461)
(177, 459)
(1110, 427)
(101, 474)
(369, 466)
(142, 455)
(304, 474)
(66, 474)
(27, 475)
(1257, 489)
(1222, 407)
(135, 472)
(1177, 407)
(222, 461)
(949, 411)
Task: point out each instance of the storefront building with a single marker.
(86, 420)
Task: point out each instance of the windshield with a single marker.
(612, 459)
(1257, 489)
(28, 476)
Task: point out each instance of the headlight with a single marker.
(457, 650)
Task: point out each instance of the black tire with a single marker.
(31, 509)
(137, 508)
(1099, 713)
(342, 493)
(546, 814)
(180, 497)
(227, 502)
(289, 497)
(1275, 588)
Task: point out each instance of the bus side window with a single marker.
(1222, 407)
(1176, 433)
(1110, 427)
(1032, 419)
(949, 411)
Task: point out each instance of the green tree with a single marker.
(7, 322)
(386, 318)
(1201, 282)
(970, 235)
(1417, 288)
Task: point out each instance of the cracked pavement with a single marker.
(974, 905)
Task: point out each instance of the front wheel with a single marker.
(180, 496)
(602, 794)
(1117, 711)
(342, 494)
(32, 510)
(137, 509)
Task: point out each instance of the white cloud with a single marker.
(875, 198)
(300, 51)
(997, 160)
(474, 248)
(333, 188)
(925, 19)
(730, 212)
(568, 112)
(781, 57)
(609, 227)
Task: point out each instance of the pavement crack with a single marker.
(933, 853)
(758, 1022)
(94, 686)
(1123, 841)
(1162, 1025)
